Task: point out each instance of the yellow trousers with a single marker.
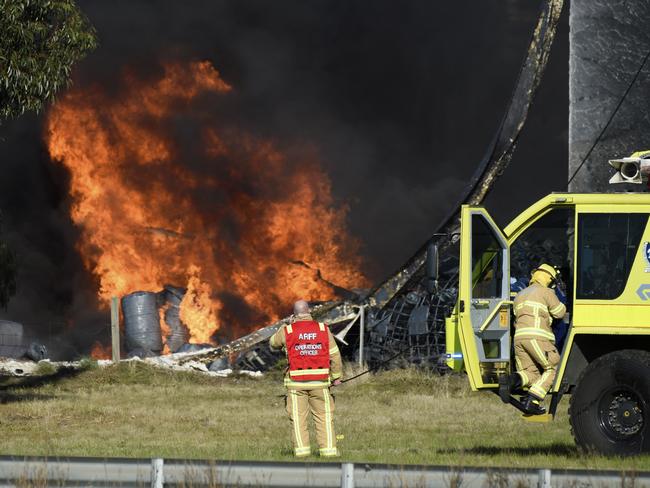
(536, 361)
(320, 403)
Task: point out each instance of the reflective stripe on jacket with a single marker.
(535, 307)
(308, 351)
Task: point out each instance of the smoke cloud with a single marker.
(396, 100)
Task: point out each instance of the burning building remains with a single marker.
(406, 313)
(153, 325)
(164, 183)
(242, 230)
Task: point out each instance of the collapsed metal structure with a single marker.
(406, 313)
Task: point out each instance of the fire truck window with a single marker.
(548, 240)
(607, 246)
(487, 260)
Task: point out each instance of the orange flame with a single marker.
(165, 330)
(198, 308)
(229, 227)
(101, 352)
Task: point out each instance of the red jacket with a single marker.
(308, 350)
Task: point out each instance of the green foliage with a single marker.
(40, 41)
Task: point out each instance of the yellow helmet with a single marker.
(545, 275)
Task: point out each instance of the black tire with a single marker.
(609, 409)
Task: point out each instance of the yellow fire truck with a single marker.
(601, 243)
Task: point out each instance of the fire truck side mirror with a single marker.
(432, 267)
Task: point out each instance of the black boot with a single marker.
(515, 382)
(516, 385)
(504, 388)
(531, 406)
(509, 384)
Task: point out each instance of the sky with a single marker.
(398, 99)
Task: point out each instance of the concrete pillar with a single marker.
(608, 41)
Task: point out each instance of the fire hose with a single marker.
(377, 366)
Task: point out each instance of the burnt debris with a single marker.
(405, 313)
(12, 343)
(412, 324)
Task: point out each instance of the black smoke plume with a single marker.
(399, 99)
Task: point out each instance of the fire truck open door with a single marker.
(484, 298)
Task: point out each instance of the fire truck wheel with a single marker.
(610, 406)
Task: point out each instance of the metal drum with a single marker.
(179, 334)
(142, 322)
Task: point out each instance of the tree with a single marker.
(40, 40)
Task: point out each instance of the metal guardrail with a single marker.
(157, 473)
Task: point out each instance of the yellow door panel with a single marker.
(484, 298)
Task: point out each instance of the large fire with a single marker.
(204, 205)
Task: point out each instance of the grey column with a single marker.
(608, 41)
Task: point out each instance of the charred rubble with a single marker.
(407, 329)
(410, 329)
(406, 313)
(15, 344)
(145, 335)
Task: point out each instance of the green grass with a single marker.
(397, 417)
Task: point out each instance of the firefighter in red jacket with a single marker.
(314, 364)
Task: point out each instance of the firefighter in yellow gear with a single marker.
(536, 357)
(314, 364)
